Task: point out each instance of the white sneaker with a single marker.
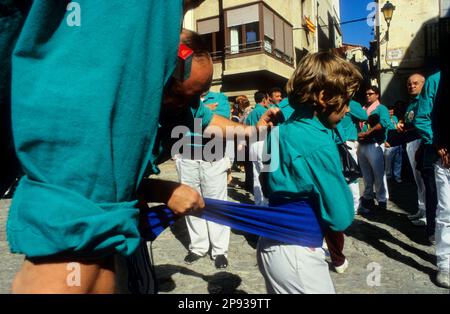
(443, 279)
(420, 222)
(420, 214)
(341, 269)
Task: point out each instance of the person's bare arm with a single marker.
(180, 198)
(367, 134)
(269, 119)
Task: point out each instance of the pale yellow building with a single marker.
(412, 44)
(256, 44)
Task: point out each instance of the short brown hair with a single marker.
(327, 72)
(242, 102)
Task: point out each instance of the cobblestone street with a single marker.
(387, 244)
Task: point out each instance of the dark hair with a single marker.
(374, 88)
(194, 41)
(259, 96)
(275, 90)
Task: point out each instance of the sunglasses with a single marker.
(370, 94)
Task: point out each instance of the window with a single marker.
(243, 28)
(258, 28)
(278, 36)
(209, 30)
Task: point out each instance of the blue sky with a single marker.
(356, 33)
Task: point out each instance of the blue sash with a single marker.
(292, 223)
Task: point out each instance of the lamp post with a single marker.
(388, 11)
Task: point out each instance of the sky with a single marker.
(359, 33)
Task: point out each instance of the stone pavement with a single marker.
(386, 254)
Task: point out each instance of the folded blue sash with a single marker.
(292, 223)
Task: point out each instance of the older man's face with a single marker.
(180, 95)
(415, 84)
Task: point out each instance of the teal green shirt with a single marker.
(222, 109)
(425, 106)
(394, 122)
(286, 109)
(85, 110)
(381, 114)
(162, 148)
(411, 112)
(306, 166)
(255, 115)
(349, 126)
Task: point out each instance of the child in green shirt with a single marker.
(306, 173)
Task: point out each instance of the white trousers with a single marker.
(293, 269)
(371, 161)
(354, 186)
(393, 162)
(411, 149)
(209, 179)
(443, 217)
(256, 155)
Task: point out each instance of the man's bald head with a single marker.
(415, 84)
(180, 94)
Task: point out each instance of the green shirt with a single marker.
(425, 106)
(162, 148)
(394, 122)
(349, 126)
(255, 115)
(222, 109)
(382, 116)
(286, 108)
(306, 166)
(411, 112)
(85, 109)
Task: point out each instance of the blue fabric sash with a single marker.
(292, 223)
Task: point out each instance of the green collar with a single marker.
(305, 114)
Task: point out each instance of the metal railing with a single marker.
(261, 46)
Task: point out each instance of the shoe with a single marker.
(443, 279)
(341, 269)
(420, 222)
(365, 206)
(382, 206)
(420, 214)
(398, 180)
(221, 262)
(191, 258)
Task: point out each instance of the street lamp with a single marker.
(388, 11)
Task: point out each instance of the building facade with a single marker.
(257, 44)
(412, 44)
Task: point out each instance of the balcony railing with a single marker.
(258, 46)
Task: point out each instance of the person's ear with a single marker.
(321, 104)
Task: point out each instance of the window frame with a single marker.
(276, 54)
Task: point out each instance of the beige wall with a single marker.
(407, 36)
(254, 63)
(406, 46)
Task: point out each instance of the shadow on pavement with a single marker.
(404, 195)
(374, 237)
(219, 283)
(401, 223)
(241, 195)
(180, 231)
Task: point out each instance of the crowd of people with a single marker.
(90, 128)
